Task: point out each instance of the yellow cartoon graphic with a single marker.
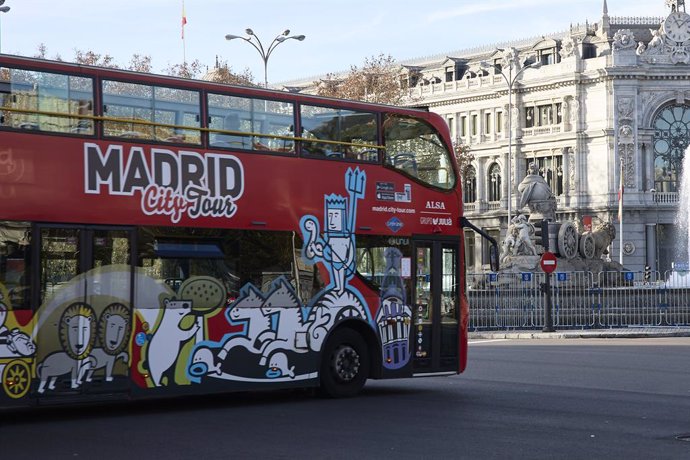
(16, 352)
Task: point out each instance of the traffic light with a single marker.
(541, 234)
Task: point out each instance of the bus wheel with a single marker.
(16, 379)
(345, 364)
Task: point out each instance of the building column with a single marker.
(505, 175)
(481, 182)
(647, 155)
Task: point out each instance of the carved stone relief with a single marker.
(625, 137)
(623, 39)
(571, 168)
(569, 48)
(626, 152)
(626, 106)
(574, 106)
(510, 58)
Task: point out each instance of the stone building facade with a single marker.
(594, 106)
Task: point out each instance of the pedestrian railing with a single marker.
(580, 300)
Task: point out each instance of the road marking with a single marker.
(487, 341)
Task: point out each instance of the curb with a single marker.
(624, 333)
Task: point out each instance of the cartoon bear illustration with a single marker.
(169, 337)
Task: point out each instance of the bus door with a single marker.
(85, 317)
(436, 305)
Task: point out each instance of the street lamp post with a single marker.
(265, 53)
(3, 9)
(510, 79)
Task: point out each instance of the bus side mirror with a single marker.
(493, 245)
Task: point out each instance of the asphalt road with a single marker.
(532, 399)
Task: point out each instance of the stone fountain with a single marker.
(576, 248)
(680, 275)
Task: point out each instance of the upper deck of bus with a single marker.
(91, 141)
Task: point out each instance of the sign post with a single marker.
(548, 264)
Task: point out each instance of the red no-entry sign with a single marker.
(548, 262)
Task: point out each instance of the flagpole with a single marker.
(184, 46)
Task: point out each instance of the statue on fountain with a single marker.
(536, 194)
(577, 248)
(519, 239)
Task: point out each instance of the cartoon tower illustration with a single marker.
(394, 316)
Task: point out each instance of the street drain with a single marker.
(683, 437)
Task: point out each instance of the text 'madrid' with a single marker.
(170, 183)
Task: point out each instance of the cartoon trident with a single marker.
(337, 246)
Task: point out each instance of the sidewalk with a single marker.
(623, 332)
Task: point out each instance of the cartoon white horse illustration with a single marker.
(283, 301)
(257, 326)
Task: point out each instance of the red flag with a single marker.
(621, 189)
(184, 20)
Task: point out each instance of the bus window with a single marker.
(378, 256)
(151, 112)
(347, 133)
(173, 260)
(251, 124)
(45, 101)
(416, 148)
(15, 258)
(235, 258)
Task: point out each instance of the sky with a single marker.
(339, 33)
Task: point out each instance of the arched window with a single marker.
(494, 182)
(469, 185)
(671, 138)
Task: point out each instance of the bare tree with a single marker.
(221, 73)
(193, 69)
(378, 81)
(463, 156)
(140, 63)
(95, 59)
(42, 53)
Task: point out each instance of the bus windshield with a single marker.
(416, 148)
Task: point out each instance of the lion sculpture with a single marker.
(603, 235)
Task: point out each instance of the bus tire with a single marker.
(344, 364)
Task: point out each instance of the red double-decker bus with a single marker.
(163, 236)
